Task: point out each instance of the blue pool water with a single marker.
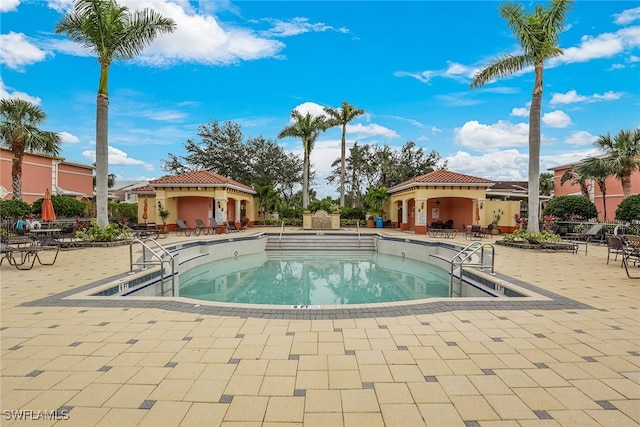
(320, 278)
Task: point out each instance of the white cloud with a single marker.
(9, 5)
(435, 129)
(161, 115)
(61, 6)
(580, 138)
(490, 137)
(520, 112)
(604, 45)
(8, 93)
(16, 51)
(572, 97)
(314, 109)
(454, 70)
(556, 119)
(365, 131)
(68, 138)
(298, 26)
(508, 165)
(118, 157)
(627, 16)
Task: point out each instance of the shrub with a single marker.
(107, 234)
(629, 209)
(352, 213)
(123, 212)
(65, 206)
(14, 209)
(291, 213)
(571, 208)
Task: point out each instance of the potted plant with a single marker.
(375, 197)
(164, 214)
(494, 227)
(370, 221)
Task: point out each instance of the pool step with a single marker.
(302, 242)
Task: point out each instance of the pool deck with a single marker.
(471, 366)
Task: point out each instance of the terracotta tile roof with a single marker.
(442, 176)
(144, 189)
(201, 177)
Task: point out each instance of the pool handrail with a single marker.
(460, 258)
(358, 228)
(281, 230)
(160, 261)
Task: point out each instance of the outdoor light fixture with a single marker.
(481, 205)
(438, 202)
(159, 204)
(422, 205)
(218, 204)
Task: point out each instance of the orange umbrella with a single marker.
(48, 214)
(477, 211)
(145, 215)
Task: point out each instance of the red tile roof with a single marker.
(443, 177)
(202, 178)
(143, 189)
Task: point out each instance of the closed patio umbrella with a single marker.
(477, 211)
(145, 208)
(48, 214)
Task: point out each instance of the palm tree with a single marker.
(306, 128)
(538, 35)
(342, 116)
(623, 155)
(599, 169)
(575, 177)
(546, 183)
(112, 32)
(19, 132)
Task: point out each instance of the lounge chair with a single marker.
(244, 223)
(467, 231)
(631, 253)
(182, 228)
(26, 253)
(231, 225)
(201, 227)
(215, 225)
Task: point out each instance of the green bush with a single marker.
(291, 213)
(107, 234)
(10, 209)
(65, 206)
(571, 208)
(352, 213)
(629, 209)
(123, 212)
(289, 222)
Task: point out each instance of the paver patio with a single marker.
(468, 367)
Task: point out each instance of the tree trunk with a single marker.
(305, 178)
(343, 149)
(102, 156)
(625, 180)
(534, 151)
(16, 173)
(604, 202)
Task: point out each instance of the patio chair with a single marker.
(467, 231)
(615, 245)
(182, 228)
(26, 253)
(231, 226)
(476, 231)
(244, 222)
(201, 227)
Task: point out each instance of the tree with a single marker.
(112, 32)
(568, 208)
(599, 170)
(629, 209)
(19, 132)
(375, 197)
(268, 199)
(576, 178)
(622, 154)
(306, 128)
(341, 117)
(538, 34)
(546, 183)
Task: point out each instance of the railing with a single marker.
(462, 258)
(159, 261)
(358, 228)
(281, 230)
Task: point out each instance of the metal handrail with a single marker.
(460, 258)
(281, 230)
(358, 228)
(160, 261)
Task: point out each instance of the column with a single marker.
(237, 213)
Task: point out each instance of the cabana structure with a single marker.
(442, 196)
(197, 195)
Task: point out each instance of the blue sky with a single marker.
(407, 64)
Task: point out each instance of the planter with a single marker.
(371, 223)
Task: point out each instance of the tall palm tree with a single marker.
(19, 132)
(576, 178)
(306, 128)
(623, 155)
(112, 32)
(599, 169)
(538, 34)
(546, 183)
(341, 117)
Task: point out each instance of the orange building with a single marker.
(613, 185)
(41, 171)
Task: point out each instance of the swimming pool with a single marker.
(314, 278)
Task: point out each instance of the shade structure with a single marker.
(48, 214)
(477, 211)
(145, 210)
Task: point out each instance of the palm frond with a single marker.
(501, 67)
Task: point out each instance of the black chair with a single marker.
(615, 245)
(182, 228)
(201, 227)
